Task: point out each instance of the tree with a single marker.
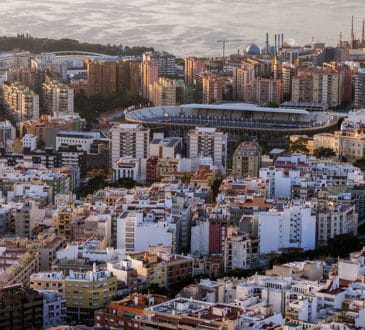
(360, 163)
(215, 187)
(323, 152)
(299, 145)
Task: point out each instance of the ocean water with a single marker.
(183, 27)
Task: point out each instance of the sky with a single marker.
(183, 27)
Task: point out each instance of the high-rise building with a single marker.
(57, 98)
(167, 92)
(87, 292)
(102, 78)
(242, 77)
(359, 100)
(149, 77)
(128, 140)
(208, 142)
(212, 89)
(20, 103)
(288, 71)
(30, 77)
(129, 76)
(327, 87)
(247, 159)
(319, 86)
(266, 90)
(302, 88)
(193, 66)
(134, 77)
(164, 61)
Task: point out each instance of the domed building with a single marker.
(252, 50)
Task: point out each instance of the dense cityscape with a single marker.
(140, 190)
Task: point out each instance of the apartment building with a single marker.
(212, 89)
(208, 142)
(57, 98)
(86, 292)
(128, 140)
(247, 159)
(20, 103)
(240, 250)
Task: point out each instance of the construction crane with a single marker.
(224, 41)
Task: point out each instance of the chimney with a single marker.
(276, 44)
(279, 45)
(352, 36)
(363, 34)
(282, 40)
(267, 43)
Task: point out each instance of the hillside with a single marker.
(38, 45)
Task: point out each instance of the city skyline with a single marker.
(187, 28)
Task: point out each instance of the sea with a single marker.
(184, 27)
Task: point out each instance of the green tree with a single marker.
(299, 145)
(360, 163)
(215, 187)
(323, 152)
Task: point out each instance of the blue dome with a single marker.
(253, 49)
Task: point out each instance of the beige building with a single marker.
(247, 159)
(17, 265)
(318, 85)
(58, 98)
(193, 66)
(242, 77)
(167, 92)
(212, 89)
(48, 281)
(20, 103)
(266, 90)
(163, 269)
(167, 167)
(349, 143)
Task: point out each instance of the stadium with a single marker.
(236, 118)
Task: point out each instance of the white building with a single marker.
(200, 237)
(83, 140)
(30, 142)
(166, 147)
(208, 142)
(240, 251)
(128, 140)
(134, 234)
(294, 227)
(7, 133)
(127, 167)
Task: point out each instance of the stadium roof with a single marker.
(243, 107)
